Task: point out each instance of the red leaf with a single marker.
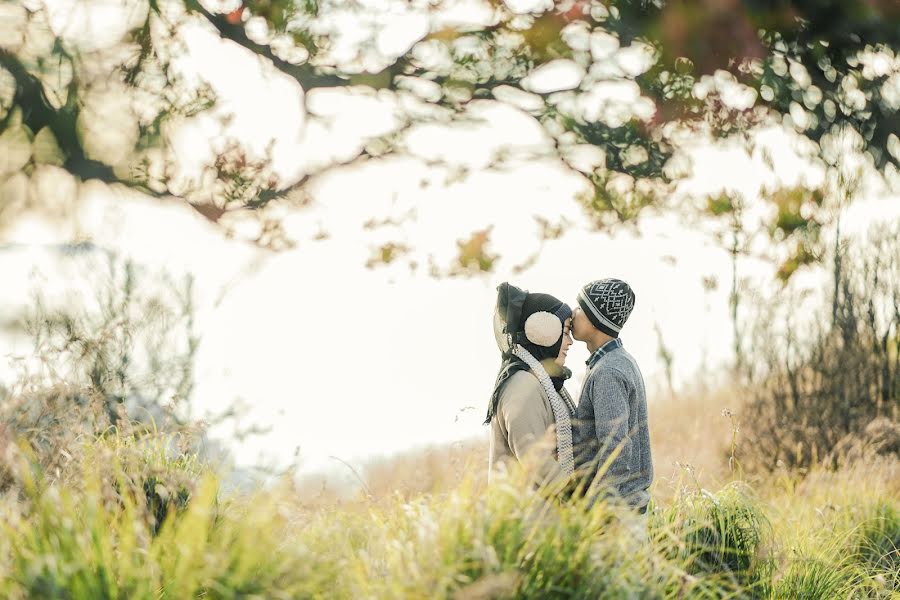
(234, 17)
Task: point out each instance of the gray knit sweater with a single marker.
(611, 424)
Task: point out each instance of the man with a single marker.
(610, 432)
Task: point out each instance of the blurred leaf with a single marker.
(47, 150)
(710, 283)
(474, 254)
(796, 209)
(386, 254)
(15, 149)
(719, 205)
(550, 231)
(802, 255)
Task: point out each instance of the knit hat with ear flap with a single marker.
(543, 318)
(533, 321)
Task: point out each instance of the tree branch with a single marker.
(38, 112)
(306, 75)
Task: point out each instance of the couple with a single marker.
(601, 439)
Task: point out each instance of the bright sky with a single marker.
(346, 361)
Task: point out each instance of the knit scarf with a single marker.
(563, 410)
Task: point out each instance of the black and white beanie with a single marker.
(607, 304)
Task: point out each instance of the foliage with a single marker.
(107, 107)
(103, 541)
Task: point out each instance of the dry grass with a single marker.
(429, 470)
(689, 435)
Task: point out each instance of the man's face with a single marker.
(581, 327)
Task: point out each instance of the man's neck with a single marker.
(597, 341)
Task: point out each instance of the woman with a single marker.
(529, 399)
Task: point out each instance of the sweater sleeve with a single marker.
(529, 428)
(609, 395)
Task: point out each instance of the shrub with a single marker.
(810, 391)
(122, 360)
(721, 534)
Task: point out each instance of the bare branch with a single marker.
(305, 74)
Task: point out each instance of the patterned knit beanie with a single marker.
(607, 304)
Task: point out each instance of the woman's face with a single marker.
(566, 342)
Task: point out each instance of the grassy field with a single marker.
(133, 518)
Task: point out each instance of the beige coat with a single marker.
(523, 430)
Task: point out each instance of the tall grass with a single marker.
(101, 540)
(878, 546)
(103, 536)
(720, 534)
(838, 531)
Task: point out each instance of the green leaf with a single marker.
(46, 149)
(719, 205)
(15, 149)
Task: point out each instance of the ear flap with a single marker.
(504, 340)
(508, 314)
(543, 328)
